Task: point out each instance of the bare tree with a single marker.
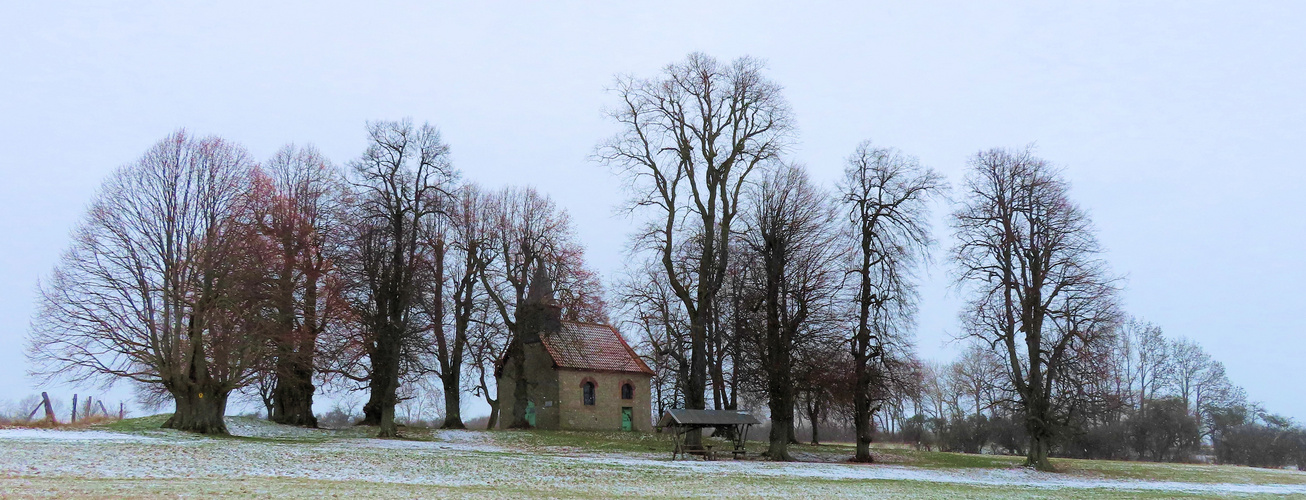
(977, 374)
(487, 340)
(163, 282)
(402, 181)
(886, 195)
(651, 310)
(690, 140)
(466, 246)
(1040, 293)
(299, 217)
(1146, 355)
(789, 227)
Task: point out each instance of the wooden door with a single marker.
(627, 418)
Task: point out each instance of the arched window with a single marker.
(627, 391)
(587, 393)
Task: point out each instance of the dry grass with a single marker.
(82, 423)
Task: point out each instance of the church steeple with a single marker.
(541, 287)
(539, 313)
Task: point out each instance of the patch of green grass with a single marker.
(1194, 473)
(140, 424)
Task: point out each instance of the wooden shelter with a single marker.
(682, 421)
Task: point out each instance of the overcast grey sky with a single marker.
(1180, 124)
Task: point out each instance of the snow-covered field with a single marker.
(289, 461)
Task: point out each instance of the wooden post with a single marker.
(49, 410)
(121, 412)
(102, 410)
(73, 420)
(90, 408)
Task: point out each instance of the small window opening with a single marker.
(587, 393)
(627, 391)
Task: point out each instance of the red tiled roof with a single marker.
(591, 346)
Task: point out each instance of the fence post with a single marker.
(49, 410)
(102, 410)
(73, 420)
(121, 412)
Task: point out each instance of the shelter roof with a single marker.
(706, 418)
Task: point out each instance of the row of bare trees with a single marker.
(755, 284)
(198, 271)
(1139, 395)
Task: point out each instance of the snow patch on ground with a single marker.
(250, 427)
(68, 435)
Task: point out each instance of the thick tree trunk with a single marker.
(372, 409)
(1038, 454)
(453, 418)
(697, 383)
(293, 395)
(380, 407)
(1040, 434)
(199, 411)
(862, 417)
(782, 423)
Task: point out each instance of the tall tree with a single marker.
(401, 182)
(299, 218)
(466, 246)
(1040, 293)
(789, 227)
(690, 140)
(164, 283)
(886, 196)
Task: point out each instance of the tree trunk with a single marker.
(862, 417)
(380, 408)
(1040, 434)
(814, 415)
(1038, 454)
(782, 423)
(199, 411)
(453, 418)
(494, 414)
(697, 383)
(293, 395)
(390, 396)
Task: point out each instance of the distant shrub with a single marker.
(337, 418)
(478, 422)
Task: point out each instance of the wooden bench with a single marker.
(739, 452)
(704, 451)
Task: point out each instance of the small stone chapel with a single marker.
(576, 376)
